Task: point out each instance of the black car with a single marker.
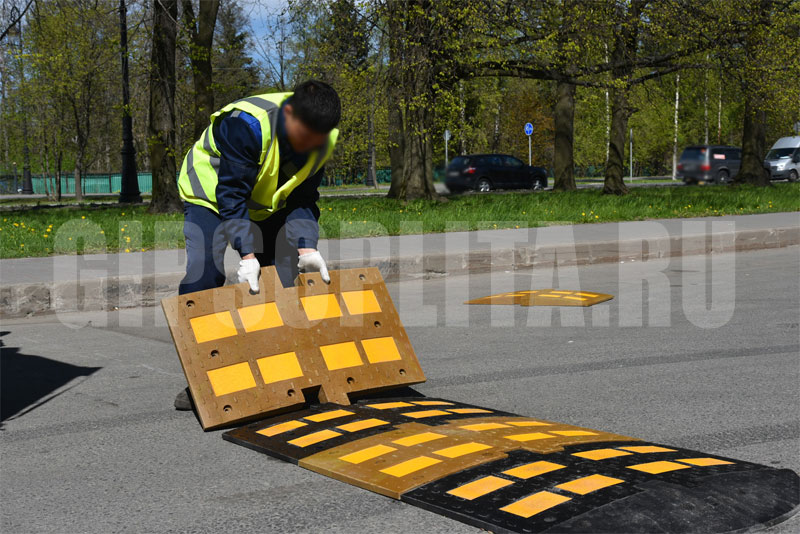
(484, 172)
(709, 163)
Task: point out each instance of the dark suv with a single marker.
(709, 163)
(484, 172)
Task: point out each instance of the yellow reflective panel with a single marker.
(231, 379)
(316, 437)
(601, 454)
(381, 349)
(655, 468)
(327, 416)
(341, 355)
(260, 317)
(355, 426)
(703, 462)
(416, 439)
(573, 433)
(585, 485)
(484, 426)
(646, 449)
(213, 326)
(280, 428)
(321, 307)
(367, 454)
(533, 469)
(388, 405)
(461, 450)
(433, 403)
(469, 410)
(279, 367)
(529, 437)
(533, 504)
(410, 466)
(480, 487)
(425, 413)
(528, 423)
(360, 302)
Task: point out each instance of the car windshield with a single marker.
(779, 153)
(459, 161)
(693, 153)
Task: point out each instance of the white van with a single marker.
(783, 159)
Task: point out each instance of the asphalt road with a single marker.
(90, 442)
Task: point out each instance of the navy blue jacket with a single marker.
(238, 139)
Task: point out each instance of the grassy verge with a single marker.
(40, 232)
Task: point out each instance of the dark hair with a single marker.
(316, 104)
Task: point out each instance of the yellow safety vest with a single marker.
(198, 179)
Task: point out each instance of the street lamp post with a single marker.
(129, 190)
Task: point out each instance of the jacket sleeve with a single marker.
(238, 140)
(302, 228)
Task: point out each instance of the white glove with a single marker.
(312, 262)
(248, 272)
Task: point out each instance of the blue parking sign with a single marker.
(528, 128)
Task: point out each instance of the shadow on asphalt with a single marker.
(28, 382)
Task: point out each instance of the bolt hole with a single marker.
(290, 393)
(310, 283)
(362, 277)
(189, 303)
(402, 372)
(227, 408)
(351, 380)
(377, 324)
(214, 353)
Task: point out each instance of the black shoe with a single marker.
(183, 401)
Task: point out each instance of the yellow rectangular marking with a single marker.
(575, 298)
(646, 449)
(480, 487)
(533, 469)
(703, 462)
(601, 454)
(528, 423)
(260, 317)
(534, 504)
(232, 378)
(529, 437)
(425, 413)
(280, 428)
(484, 426)
(433, 403)
(361, 302)
(279, 367)
(655, 468)
(573, 432)
(341, 355)
(316, 437)
(410, 466)
(381, 349)
(321, 306)
(355, 426)
(585, 485)
(327, 416)
(584, 294)
(462, 450)
(213, 326)
(416, 439)
(389, 405)
(469, 410)
(367, 454)
(550, 296)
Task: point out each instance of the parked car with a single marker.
(484, 172)
(709, 163)
(783, 159)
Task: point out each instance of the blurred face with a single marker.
(301, 137)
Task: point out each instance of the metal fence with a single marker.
(90, 183)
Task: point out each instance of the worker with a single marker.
(251, 181)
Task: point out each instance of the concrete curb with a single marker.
(20, 300)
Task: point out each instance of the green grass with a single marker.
(39, 232)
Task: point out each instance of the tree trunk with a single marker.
(201, 38)
(614, 180)
(58, 175)
(395, 101)
(565, 134)
(418, 158)
(78, 185)
(754, 144)
(161, 120)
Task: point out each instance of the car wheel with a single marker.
(483, 185)
(793, 176)
(539, 183)
(723, 177)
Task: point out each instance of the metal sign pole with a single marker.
(529, 132)
(631, 157)
(446, 156)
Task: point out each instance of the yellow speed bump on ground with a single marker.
(545, 297)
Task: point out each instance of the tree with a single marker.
(236, 75)
(201, 35)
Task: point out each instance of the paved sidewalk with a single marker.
(109, 281)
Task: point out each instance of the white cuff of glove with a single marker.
(248, 272)
(311, 262)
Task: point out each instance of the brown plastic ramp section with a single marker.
(545, 297)
(248, 356)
